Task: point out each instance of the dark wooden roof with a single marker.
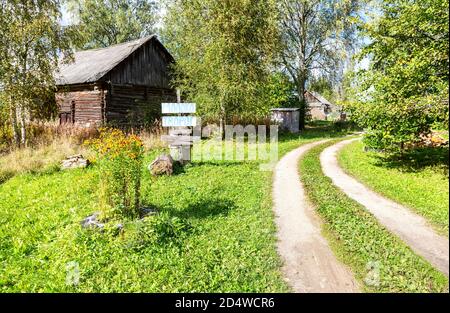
(92, 65)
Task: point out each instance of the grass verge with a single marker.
(363, 244)
(423, 189)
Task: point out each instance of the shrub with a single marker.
(120, 161)
(392, 127)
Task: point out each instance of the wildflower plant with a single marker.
(119, 157)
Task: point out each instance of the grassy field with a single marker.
(221, 236)
(419, 182)
(381, 261)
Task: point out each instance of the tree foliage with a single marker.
(224, 51)
(30, 42)
(102, 23)
(405, 90)
(323, 86)
(280, 91)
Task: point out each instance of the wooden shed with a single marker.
(123, 84)
(286, 118)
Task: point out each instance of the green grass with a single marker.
(358, 239)
(229, 246)
(422, 188)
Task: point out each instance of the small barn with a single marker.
(319, 107)
(123, 84)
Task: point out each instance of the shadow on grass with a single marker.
(205, 208)
(416, 160)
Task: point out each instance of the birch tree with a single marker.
(31, 40)
(224, 51)
(316, 35)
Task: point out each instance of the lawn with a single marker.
(419, 181)
(222, 235)
(380, 260)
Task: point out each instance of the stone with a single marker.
(163, 164)
(74, 161)
(92, 221)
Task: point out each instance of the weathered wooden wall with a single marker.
(147, 66)
(88, 101)
(135, 105)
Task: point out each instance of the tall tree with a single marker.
(224, 50)
(316, 35)
(405, 89)
(102, 23)
(31, 40)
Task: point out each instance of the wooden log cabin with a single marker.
(122, 85)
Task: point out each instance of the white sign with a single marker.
(176, 108)
(179, 121)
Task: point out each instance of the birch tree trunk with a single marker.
(13, 121)
(22, 123)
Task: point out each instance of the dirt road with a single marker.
(410, 227)
(309, 263)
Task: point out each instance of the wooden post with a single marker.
(180, 128)
(178, 96)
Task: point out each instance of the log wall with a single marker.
(81, 104)
(136, 105)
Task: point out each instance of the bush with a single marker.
(120, 161)
(392, 127)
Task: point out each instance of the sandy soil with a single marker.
(410, 227)
(309, 263)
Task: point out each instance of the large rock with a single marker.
(74, 161)
(163, 164)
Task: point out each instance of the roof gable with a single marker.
(319, 97)
(91, 65)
